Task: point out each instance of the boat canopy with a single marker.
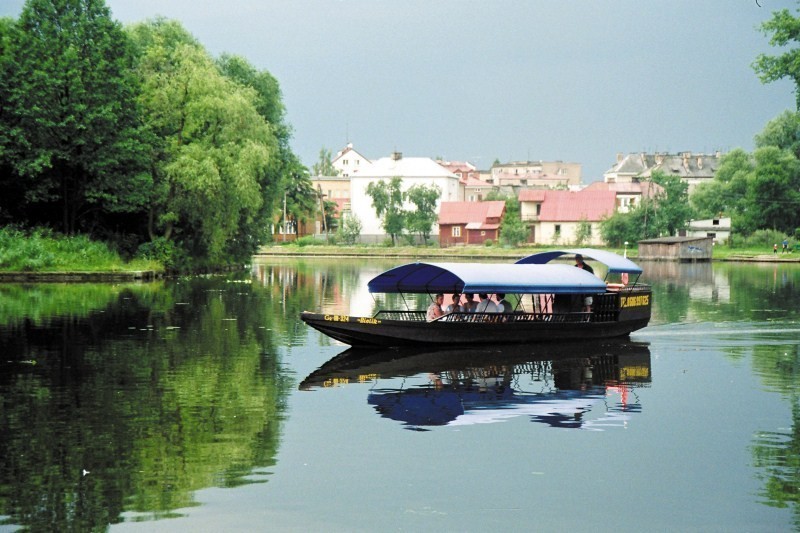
(487, 278)
(615, 263)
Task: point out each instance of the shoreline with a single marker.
(136, 276)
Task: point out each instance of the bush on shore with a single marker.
(41, 250)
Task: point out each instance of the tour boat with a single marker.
(553, 302)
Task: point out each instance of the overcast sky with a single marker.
(571, 80)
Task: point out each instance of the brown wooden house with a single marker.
(470, 222)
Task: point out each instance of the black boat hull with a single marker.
(361, 331)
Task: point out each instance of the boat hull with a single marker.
(364, 331)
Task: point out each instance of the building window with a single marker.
(558, 230)
(483, 234)
(456, 231)
(715, 222)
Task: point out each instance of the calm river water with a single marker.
(205, 404)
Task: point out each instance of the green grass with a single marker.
(40, 250)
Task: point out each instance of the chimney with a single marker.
(700, 162)
(397, 156)
(619, 157)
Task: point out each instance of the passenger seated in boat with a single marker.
(454, 307)
(435, 309)
(502, 304)
(470, 305)
(486, 305)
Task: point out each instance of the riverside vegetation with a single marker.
(137, 137)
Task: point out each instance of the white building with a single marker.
(413, 171)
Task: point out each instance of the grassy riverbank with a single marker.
(42, 251)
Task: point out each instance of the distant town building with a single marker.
(558, 217)
(470, 222)
(349, 162)
(692, 168)
(718, 229)
(537, 174)
(413, 171)
(629, 194)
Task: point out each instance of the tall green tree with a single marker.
(283, 166)
(422, 219)
(783, 30)
(387, 200)
(324, 165)
(783, 131)
(210, 147)
(69, 128)
(513, 230)
(671, 208)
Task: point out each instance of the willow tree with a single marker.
(210, 147)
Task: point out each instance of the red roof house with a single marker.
(470, 222)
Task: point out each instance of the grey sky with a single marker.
(572, 80)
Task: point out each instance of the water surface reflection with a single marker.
(581, 386)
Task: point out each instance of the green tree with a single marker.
(620, 228)
(783, 132)
(583, 232)
(69, 128)
(513, 231)
(210, 150)
(387, 200)
(773, 194)
(422, 219)
(302, 200)
(324, 166)
(283, 165)
(783, 30)
(349, 229)
(671, 208)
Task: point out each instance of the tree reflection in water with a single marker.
(118, 403)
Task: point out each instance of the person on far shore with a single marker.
(785, 247)
(775, 248)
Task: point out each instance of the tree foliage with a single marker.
(758, 191)
(422, 219)
(68, 120)
(387, 200)
(324, 166)
(663, 215)
(140, 133)
(513, 231)
(783, 30)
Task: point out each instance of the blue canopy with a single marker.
(614, 262)
(486, 278)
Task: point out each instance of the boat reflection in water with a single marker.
(580, 386)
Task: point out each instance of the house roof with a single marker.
(406, 167)
(684, 164)
(467, 212)
(531, 195)
(475, 183)
(569, 206)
